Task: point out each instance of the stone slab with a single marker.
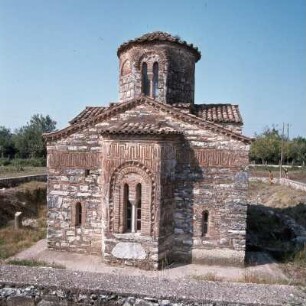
(129, 250)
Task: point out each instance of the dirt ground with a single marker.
(275, 195)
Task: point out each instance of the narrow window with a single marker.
(204, 223)
(155, 80)
(138, 207)
(145, 80)
(128, 206)
(87, 172)
(78, 214)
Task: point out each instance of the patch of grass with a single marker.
(13, 241)
(15, 171)
(34, 263)
(259, 278)
(208, 277)
(295, 268)
(248, 277)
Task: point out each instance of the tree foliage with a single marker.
(7, 148)
(268, 146)
(27, 141)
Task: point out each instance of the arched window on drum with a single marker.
(155, 80)
(145, 80)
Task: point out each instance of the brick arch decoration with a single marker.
(159, 57)
(117, 176)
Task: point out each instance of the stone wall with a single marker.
(73, 177)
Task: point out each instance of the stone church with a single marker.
(153, 178)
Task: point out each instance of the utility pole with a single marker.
(287, 131)
(282, 152)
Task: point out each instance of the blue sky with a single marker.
(58, 56)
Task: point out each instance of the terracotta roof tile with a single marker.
(159, 36)
(88, 112)
(175, 112)
(219, 113)
(133, 128)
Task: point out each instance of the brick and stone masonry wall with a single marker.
(132, 162)
(175, 77)
(202, 171)
(209, 176)
(73, 176)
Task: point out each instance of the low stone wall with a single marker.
(15, 181)
(293, 184)
(283, 181)
(46, 286)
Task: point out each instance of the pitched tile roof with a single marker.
(113, 110)
(159, 36)
(88, 112)
(219, 113)
(136, 128)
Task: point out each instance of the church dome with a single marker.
(159, 36)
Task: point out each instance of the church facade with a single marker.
(153, 178)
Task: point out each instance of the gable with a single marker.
(139, 110)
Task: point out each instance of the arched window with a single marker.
(138, 207)
(204, 222)
(132, 204)
(78, 214)
(155, 80)
(145, 80)
(128, 207)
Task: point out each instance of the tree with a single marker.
(297, 150)
(7, 148)
(28, 139)
(266, 147)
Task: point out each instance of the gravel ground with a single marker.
(93, 263)
(142, 286)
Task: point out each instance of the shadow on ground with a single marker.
(275, 231)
